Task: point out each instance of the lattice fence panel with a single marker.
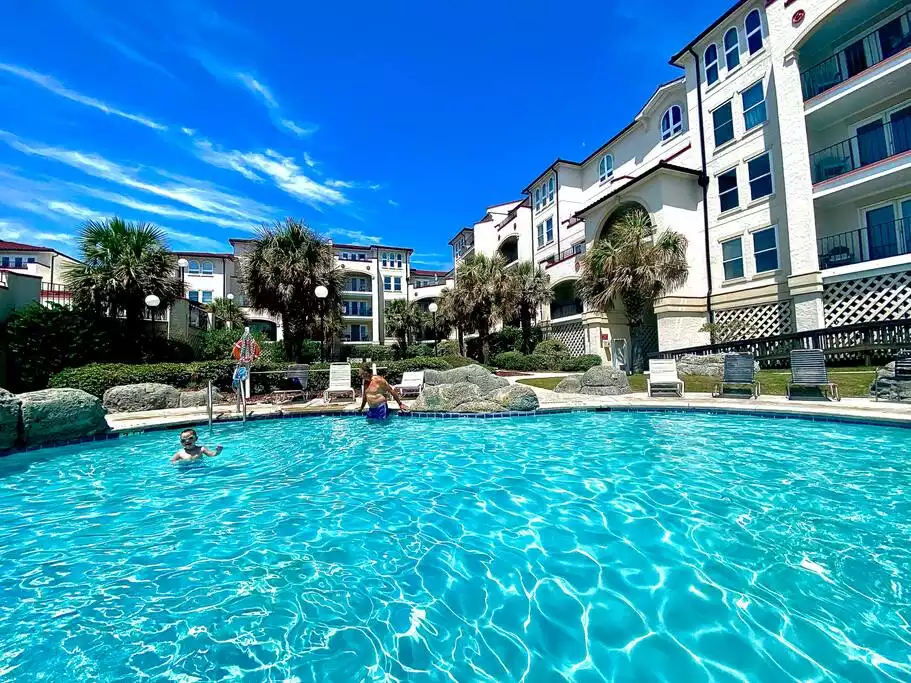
(868, 299)
(571, 334)
(753, 322)
(648, 337)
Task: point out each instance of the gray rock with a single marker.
(59, 415)
(605, 391)
(606, 377)
(707, 366)
(887, 388)
(195, 399)
(515, 397)
(446, 397)
(9, 419)
(487, 381)
(130, 398)
(569, 385)
(454, 376)
(479, 407)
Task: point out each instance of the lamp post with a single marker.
(436, 337)
(321, 294)
(152, 301)
(182, 264)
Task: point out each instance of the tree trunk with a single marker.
(461, 334)
(525, 323)
(484, 334)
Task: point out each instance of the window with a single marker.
(723, 122)
(671, 122)
(732, 258)
(754, 112)
(711, 64)
(4, 262)
(551, 185)
(193, 268)
(207, 297)
(397, 284)
(545, 232)
(732, 49)
(387, 283)
(727, 190)
(760, 172)
(193, 295)
(398, 260)
(385, 259)
(30, 259)
(606, 167)
(362, 257)
(18, 262)
(753, 26)
(765, 249)
(207, 268)
(537, 199)
(544, 194)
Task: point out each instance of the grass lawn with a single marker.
(850, 381)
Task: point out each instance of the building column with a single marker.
(680, 322)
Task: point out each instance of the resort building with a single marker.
(42, 262)
(782, 154)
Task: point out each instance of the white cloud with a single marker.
(340, 183)
(188, 131)
(51, 84)
(310, 161)
(352, 235)
(72, 210)
(432, 261)
(17, 231)
(258, 89)
(300, 131)
(196, 241)
(392, 202)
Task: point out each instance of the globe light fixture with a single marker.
(321, 294)
(436, 336)
(182, 262)
(152, 301)
(230, 297)
(433, 308)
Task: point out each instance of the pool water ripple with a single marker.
(575, 547)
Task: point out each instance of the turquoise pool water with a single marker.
(578, 547)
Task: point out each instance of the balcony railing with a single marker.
(862, 54)
(435, 282)
(865, 244)
(575, 250)
(565, 310)
(362, 311)
(352, 257)
(875, 144)
(356, 287)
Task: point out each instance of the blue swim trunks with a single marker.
(377, 412)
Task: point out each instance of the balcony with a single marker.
(564, 310)
(863, 54)
(575, 250)
(357, 288)
(872, 243)
(352, 311)
(878, 141)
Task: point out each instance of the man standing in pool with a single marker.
(374, 391)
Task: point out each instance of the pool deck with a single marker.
(861, 409)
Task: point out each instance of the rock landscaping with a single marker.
(602, 380)
(59, 415)
(9, 419)
(707, 366)
(472, 389)
(130, 398)
(886, 388)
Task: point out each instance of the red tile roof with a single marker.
(18, 246)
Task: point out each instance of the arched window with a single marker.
(753, 26)
(207, 268)
(711, 64)
(732, 49)
(671, 122)
(606, 167)
(193, 268)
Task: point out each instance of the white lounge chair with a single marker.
(339, 381)
(662, 375)
(411, 384)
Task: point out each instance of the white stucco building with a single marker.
(42, 262)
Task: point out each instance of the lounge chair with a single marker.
(738, 371)
(299, 375)
(808, 369)
(902, 371)
(339, 381)
(411, 384)
(662, 375)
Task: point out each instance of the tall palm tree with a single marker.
(634, 266)
(403, 320)
(480, 289)
(122, 264)
(526, 288)
(452, 313)
(227, 311)
(281, 272)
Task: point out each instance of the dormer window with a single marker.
(711, 64)
(606, 167)
(671, 122)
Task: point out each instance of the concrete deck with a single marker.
(852, 408)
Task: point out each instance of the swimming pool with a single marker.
(584, 546)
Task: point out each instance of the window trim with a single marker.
(706, 65)
(673, 129)
(387, 279)
(605, 173)
(762, 102)
(724, 261)
(730, 105)
(771, 176)
(207, 272)
(734, 48)
(202, 296)
(777, 250)
(748, 33)
(193, 270)
(190, 296)
(541, 231)
(735, 189)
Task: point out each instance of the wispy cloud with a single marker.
(392, 202)
(432, 261)
(257, 89)
(196, 241)
(264, 94)
(356, 236)
(17, 231)
(53, 85)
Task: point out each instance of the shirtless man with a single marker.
(375, 389)
(190, 450)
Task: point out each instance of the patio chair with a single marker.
(808, 369)
(412, 383)
(339, 382)
(738, 371)
(662, 375)
(299, 375)
(902, 371)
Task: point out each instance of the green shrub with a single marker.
(580, 363)
(419, 351)
(456, 361)
(372, 351)
(310, 351)
(217, 344)
(516, 360)
(551, 347)
(395, 369)
(448, 347)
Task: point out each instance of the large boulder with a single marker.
(130, 398)
(707, 366)
(603, 380)
(886, 388)
(60, 415)
(479, 407)
(474, 374)
(446, 397)
(569, 385)
(515, 397)
(196, 399)
(9, 419)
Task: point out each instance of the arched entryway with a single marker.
(509, 249)
(617, 215)
(565, 322)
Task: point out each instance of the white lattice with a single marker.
(571, 334)
(753, 322)
(868, 299)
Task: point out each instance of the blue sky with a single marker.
(393, 123)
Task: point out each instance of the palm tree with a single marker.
(635, 266)
(281, 272)
(527, 287)
(228, 312)
(451, 313)
(122, 264)
(480, 289)
(403, 320)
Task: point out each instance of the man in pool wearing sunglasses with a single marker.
(190, 450)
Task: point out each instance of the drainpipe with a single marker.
(224, 278)
(704, 183)
(53, 258)
(557, 205)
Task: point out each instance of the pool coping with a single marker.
(811, 413)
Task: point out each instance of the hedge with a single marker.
(514, 360)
